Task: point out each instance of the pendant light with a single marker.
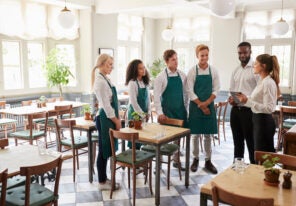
(222, 7)
(281, 27)
(168, 34)
(66, 18)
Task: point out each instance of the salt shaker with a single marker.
(287, 184)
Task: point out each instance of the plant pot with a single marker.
(43, 104)
(138, 124)
(87, 116)
(272, 177)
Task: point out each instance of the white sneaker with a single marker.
(108, 185)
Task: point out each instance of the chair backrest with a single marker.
(219, 194)
(27, 103)
(2, 104)
(41, 115)
(172, 122)
(133, 136)
(292, 103)
(39, 170)
(3, 143)
(59, 111)
(51, 100)
(3, 181)
(222, 108)
(286, 160)
(286, 112)
(62, 124)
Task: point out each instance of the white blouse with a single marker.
(192, 76)
(133, 94)
(104, 94)
(160, 84)
(263, 98)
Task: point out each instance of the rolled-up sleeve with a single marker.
(216, 82)
(133, 94)
(190, 84)
(159, 84)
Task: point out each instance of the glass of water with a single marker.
(239, 165)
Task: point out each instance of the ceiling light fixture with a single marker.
(66, 18)
(222, 7)
(168, 33)
(281, 27)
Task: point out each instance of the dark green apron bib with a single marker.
(199, 123)
(106, 123)
(172, 99)
(143, 101)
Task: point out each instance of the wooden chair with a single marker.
(222, 108)
(6, 124)
(34, 193)
(50, 100)
(3, 143)
(3, 181)
(221, 195)
(70, 142)
(131, 159)
(292, 103)
(168, 149)
(286, 121)
(31, 133)
(288, 161)
(26, 103)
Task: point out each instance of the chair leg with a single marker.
(113, 173)
(94, 154)
(77, 159)
(74, 164)
(224, 130)
(134, 185)
(169, 171)
(179, 163)
(150, 176)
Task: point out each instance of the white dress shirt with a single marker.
(263, 98)
(160, 84)
(191, 77)
(104, 94)
(133, 94)
(243, 79)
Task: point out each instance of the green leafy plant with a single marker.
(85, 109)
(157, 66)
(57, 73)
(138, 116)
(269, 163)
(42, 99)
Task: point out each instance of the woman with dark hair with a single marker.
(263, 101)
(137, 80)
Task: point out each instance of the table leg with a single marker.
(157, 176)
(90, 157)
(187, 160)
(203, 199)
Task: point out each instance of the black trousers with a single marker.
(242, 129)
(101, 162)
(264, 130)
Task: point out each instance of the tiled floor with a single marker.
(83, 193)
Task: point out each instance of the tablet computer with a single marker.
(234, 95)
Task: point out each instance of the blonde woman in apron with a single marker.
(203, 86)
(107, 116)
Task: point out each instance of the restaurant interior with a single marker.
(48, 147)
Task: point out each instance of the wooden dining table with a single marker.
(251, 184)
(15, 157)
(158, 135)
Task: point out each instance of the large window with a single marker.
(12, 65)
(258, 31)
(129, 35)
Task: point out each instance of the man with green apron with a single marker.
(144, 102)
(203, 85)
(170, 97)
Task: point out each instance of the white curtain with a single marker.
(29, 20)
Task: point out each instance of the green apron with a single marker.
(106, 124)
(172, 99)
(199, 123)
(143, 101)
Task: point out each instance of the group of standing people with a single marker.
(191, 98)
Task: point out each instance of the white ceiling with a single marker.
(165, 8)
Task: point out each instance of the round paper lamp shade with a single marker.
(66, 19)
(167, 34)
(281, 27)
(222, 7)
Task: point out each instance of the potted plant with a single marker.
(57, 73)
(137, 118)
(86, 111)
(271, 173)
(42, 101)
(157, 66)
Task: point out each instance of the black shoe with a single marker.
(194, 165)
(210, 167)
(176, 165)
